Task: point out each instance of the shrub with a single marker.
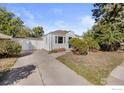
(79, 46)
(9, 48)
(82, 46)
(92, 44)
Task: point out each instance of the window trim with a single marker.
(64, 39)
(56, 39)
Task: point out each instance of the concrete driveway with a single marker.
(117, 76)
(49, 71)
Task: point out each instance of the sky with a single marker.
(54, 16)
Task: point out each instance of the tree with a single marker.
(38, 31)
(24, 32)
(9, 23)
(109, 28)
(112, 13)
(91, 42)
(98, 10)
(107, 38)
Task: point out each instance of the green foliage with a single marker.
(91, 43)
(9, 48)
(108, 31)
(79, 46)
(82, 46)
(9, 23)
(107, 37)
(12, 25)
(23, 33)
(38, 31)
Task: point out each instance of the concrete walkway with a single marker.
(32, 79)
(49, 71)
(117, 76)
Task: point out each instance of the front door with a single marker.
(69, 44)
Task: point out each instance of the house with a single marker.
(4, 37)
(58, 39)
(53, 40)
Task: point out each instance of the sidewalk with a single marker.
(117, 76)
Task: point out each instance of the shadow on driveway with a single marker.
(25, 53)
(15, 74)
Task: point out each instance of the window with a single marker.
(55, 39)
(60, 40)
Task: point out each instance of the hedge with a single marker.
(9, 48)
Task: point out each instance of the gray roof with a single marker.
(62, 33)
(59, 32)
(3, 36)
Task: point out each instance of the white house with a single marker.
(50, 41)
(58, 39)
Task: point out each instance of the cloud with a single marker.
(56, 11)
(29, 19)
(59, 24)
(27, 14)
(16, 12)
(87, 22)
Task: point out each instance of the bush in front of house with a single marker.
(82, 46)
(79, 46)
(92, 44)
(9, 48)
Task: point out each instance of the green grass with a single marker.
(95, 67)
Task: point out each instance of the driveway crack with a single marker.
(40, 74)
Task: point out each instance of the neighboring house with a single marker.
(50, 41)
(3, 36)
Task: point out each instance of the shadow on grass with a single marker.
(15, 74)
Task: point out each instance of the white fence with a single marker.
(30, 44)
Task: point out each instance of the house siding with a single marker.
(64, 44)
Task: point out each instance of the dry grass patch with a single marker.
(95, 67)
(6, 64)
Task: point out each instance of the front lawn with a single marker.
(95, 67)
